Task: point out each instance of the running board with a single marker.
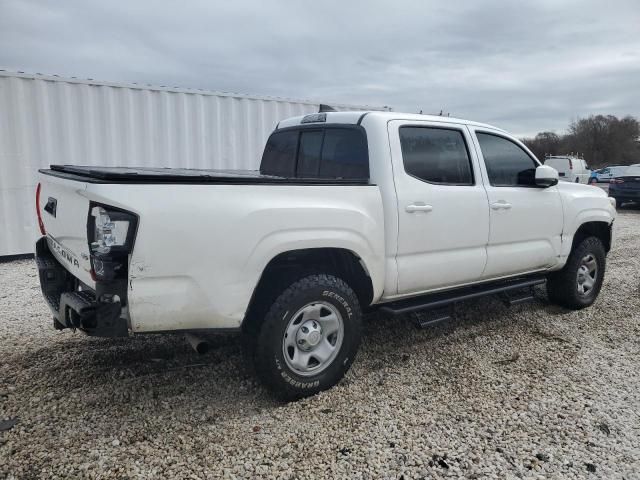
(443, 299)
(516, 297)
(434, 316)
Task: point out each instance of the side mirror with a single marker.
(546, 176)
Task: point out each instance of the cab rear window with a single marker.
(279, 157)
(318, 152)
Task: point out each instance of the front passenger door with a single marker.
(526, 221)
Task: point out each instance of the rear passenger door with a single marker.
(443, 214)
(526, 220)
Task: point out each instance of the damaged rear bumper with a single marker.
(96, 312)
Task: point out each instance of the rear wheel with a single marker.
(578, 284)
(309, 337)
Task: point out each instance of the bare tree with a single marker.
(544, 143)
(602, 139)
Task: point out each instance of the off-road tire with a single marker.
(268, 357)
(562, 285)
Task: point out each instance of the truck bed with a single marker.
(202, 238)
(153, 175)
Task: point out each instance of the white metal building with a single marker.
(53, 120)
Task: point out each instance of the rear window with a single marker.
(344, 154)
(309, 154)
(558, 163)
(325, 153)
(279, 157)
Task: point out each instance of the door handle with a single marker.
(418, 207)
(501, 204)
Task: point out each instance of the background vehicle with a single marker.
(349, 211)
(570, 168)
(626, 186)
(606, 174)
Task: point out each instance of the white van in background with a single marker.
(570, 168)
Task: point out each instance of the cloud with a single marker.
(522, 66)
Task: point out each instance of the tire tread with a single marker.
(561, 285)
(262, 363)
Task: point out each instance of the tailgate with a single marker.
(64, 209)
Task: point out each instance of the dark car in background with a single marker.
(626, 186)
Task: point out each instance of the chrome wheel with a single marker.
(313, 338)
(587, 274)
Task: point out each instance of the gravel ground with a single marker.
(532, 391)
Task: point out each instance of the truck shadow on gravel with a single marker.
(164, 370)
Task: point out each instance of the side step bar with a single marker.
(434, 316)
(508, 289)
(516, 297)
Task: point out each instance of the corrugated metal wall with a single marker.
(47, 120)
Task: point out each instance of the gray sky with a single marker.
(522, 66)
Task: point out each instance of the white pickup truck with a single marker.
(349, 212)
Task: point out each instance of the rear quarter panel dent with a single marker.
(211, 243)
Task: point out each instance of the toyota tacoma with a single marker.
(349, 212)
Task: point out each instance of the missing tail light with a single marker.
(110, 229)
(110, 232)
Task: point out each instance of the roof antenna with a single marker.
(326, 108)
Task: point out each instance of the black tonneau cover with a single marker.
(85, 173)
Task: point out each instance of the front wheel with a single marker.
(578, 284)
(309, 337)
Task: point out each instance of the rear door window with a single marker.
(436, 155)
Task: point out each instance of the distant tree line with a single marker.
(602, 140)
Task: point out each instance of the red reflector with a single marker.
(40, 222)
